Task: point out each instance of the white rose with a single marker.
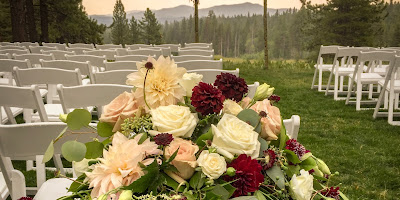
(173, 119)
(189, 80)
(231, 107)
(301, 187)
(212, 164)
(81, 166)
(233, 136)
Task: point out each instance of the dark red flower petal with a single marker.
(207, 99)
(25, 198)
(270, 158)
(163, 139)
(232, 87)
(296, 147)
(332, 193)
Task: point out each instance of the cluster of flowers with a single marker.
(176, 137)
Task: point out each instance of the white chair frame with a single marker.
(320, 67)
(210, 75)
(201, 64)
(112, 77)
(136, 58)
(120, 65)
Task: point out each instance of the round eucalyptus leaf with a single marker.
(78, 118)
(73, 151)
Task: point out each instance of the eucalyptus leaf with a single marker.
(94, 149)
(259, 195)
(78, 118)
(263, 146)
(249, 116)
(276, 172)
(73, 151)
(49, 152)
(104, 129)
(308, 164)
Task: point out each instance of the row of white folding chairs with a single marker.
(188, 65)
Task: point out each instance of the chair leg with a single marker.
(40, 171)
(358, 97)
(29, 165)
(315, 76)
(350, 89)
(396, 102)
(391, 105)
(335, 92)
(341, 83)
(371, 90)
(328, 85)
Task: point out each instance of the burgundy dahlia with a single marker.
(274, 98)
(207, 99)
(232, 87)
(332, 193)
(296, 147)
(270, 158)
(163, 139)
(248, 175)
(25, 198)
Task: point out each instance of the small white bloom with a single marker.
(212, 164)
(189, 81)
(231, 107)
(173, 119)
(302, 186)
(81, 166)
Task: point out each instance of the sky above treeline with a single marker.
(101, 7)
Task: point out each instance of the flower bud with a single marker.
(63, 117)
(126, 195)
(231, 171)
(263, 91)
(323, 167)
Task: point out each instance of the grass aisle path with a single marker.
(365, 151)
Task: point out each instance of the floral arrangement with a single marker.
(176, 137)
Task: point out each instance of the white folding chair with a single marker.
(9, 43)
(122, 51)
(38, 49)
(34, 58)
(4, 193)
(36, 137)
(321, 67)
(191, 57)
(147, 52)
(14, 51)
(390, 94)
(136, 58)
(137, 46)
(112, 77)
(108, 46)
(27, 44)
(89, 95)
(198, 44)
(5, 56)
(120, 65)
(201, 64)
(252, 89)
(369, 77)
(95, 61)
(173, 47)
(196, 52)
(12, 47)
(84, 67)
(81, 45)
(59, 54)
(108, 53)
(197, 48)
(292, 126)
(78, 50)
(165, 51)
(7, 65)
(59, 46)
(209, 75)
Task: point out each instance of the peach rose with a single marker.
(271, 124)
(185, 160)
(122, 107)
(245, 102)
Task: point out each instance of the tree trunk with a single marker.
(196, 21)
(18, 22)
(44, 21)
(30, 13)
(265, 36)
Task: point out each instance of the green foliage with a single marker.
(204, 125)
(137, 124)
(250, 116)
(94, 149)
(119, 27)
(276, 174)
(73, 151)
(134, 32)
(150, 28)
(78, 118)
(104, 129)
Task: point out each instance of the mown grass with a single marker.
(365, 151)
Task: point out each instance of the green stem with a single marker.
(144, 89)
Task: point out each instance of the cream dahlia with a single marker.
(120, 164)
(162, 82)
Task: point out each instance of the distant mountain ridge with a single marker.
(179, 12)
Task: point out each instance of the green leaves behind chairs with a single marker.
(78, 119)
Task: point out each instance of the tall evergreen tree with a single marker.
(134, 31)
(120, 24)
(265, 35)
(151, 29)
(196, 20)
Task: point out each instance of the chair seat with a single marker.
(6, 81)
(53, 189)
(380, 71)
(15, 111)
(344, 71)
(396, 85)
(367, 78)
(324, 67)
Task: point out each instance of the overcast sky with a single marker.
(107, 6)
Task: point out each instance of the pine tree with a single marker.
(151, 29)
(120, 24)
(196, 20)
(134, 31)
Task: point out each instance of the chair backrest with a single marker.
(84, 67)
(22, 97)
(7, 65)
(78, 50)
(197, 48)
(252, 89)
(120, 65)
(198, 44)
(81, 45)
(112, 77)
(292, 126)
(89, 95)
(12, 47)
(14, 51)
(174, 47)
(209, 75)
(136, 58)
(5, 56)
(108, 53)
(166, 51)
(36, 76)
(201, 64)
(38, 49)
(9, 43)
(27, 44)
(108, 46)
(59, 46)
(196, 52)
(59, 54)
(348, 55)
(191, 57)
(146, 52)
(373, 57)
(34, 58)
(97, 61)
(122, 51)
(326, 50)
(137, 46)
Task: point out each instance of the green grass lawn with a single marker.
(365, 151)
